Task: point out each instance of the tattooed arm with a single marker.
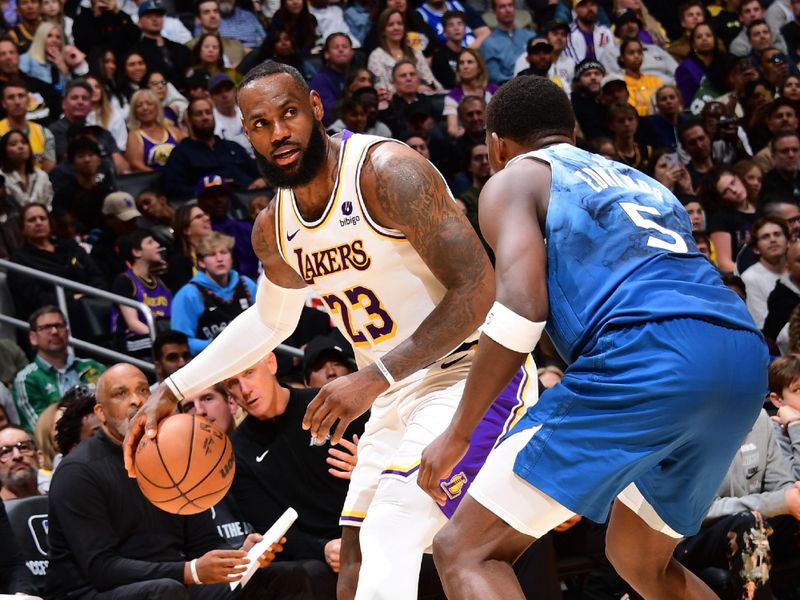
(403, 191)
(248, 338)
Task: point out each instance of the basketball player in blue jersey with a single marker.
(371, 226)
(667, 370)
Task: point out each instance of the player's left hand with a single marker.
(343, 399)
(438, 461)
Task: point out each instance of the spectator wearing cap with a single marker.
(151, 139)
(691, 14)
(655, 60)
(326, 358)
(83, 196)
(159, 53)
(444, 63)
(651, 32)
(227, 116)
(239, 24)
(214, 197)
(587, 38)
(208, 20)
(173, 30)
(328, 81)
(77, 104)
(214, 296)
(120, 217)
(43, 100)
(539, 57)
(23, 182)
(203, 153)
(589, 111)
(751, 11)
(502, 47)
(556, 32)
(14, 99)
(105, 25)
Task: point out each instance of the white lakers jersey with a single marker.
(374, 284)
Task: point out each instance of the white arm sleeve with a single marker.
(246, 339)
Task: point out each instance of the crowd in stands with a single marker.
(124, 167)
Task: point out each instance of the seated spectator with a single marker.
(278, 46)
(190, 225)
(15, 104)
(641, 87)
(168, 57)
(660, 129)
(170, 352)
(668, 170)
(587, 38)
(695, 141)
(697, 215)
(106, 115)
(444, 64)
(295, 18)
(729, 142)
(505, 43)
(43, 101)
(693, 68)
(78, 420)
(173, 30)
(326, 358)
(774, 65)
(769, 239)
(753, 178)
(15, 577)
(776, 116)
(432, 13)
(50, 59)
(20, 462)
(105, 25)
(54, 370)
(77, 105)
(104, 536)
(791, 32)
(789, 87)
(208, 20)
(132, 74)
(227, 116)
(10, 229)
(783, 299)
(214, 404)
(171, 100)
(656, 60)
(357, 18)
(30, 17)
(472, 79)
(731, 215)
(472, 116)
(691, 14)
(157, 215)
(352, 117)
(120, 217)
(256, 205)
(479, 172)
(590, 113)
(539, 61)
(330, 20)
(24, 183)
(207, 58)
(368, 98)
(240, 24)
(151, 139)
(44, 435)
(328, 81)
(270, 446)
(623, 121)
(786, 210)
(214, 197)
(393, 47)
(213, 297)
(783, 181)
(83, 196)
(203, 153)
(142, 254)
(103, 65)
(751, 11)
(53, 11)
(784, 394)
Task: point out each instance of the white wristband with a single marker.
(384, 371)
(193, 569)
(511, 330)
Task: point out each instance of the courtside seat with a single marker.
(28, 519)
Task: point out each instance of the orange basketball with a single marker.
(188, 467)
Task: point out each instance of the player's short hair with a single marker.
(782, 372)
(170, 336)
(529, 108)
(765, 220)
(268, 68)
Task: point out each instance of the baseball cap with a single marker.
(540, 43)
(210, 182)
(586, 65)
(151, 6)
(218, 80)
(612, 78)
(120, 205)
(326, 344)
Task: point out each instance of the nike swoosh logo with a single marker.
(290, 236)
(260, 458)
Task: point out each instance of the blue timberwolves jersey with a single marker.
(620, 252)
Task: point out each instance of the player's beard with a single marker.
(310, 163)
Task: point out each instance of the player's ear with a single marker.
(316, 105)
(775, 399)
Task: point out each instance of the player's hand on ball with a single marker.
(438, 461)
(331, 551)
(158, 407)
(343, 399)
(343, 461)
(221, 566)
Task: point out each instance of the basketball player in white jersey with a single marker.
(372, 227)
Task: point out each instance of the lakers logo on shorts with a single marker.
(454, 486)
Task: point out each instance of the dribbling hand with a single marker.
(160, 405)
(438, 461)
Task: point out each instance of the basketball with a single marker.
(188, 467)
